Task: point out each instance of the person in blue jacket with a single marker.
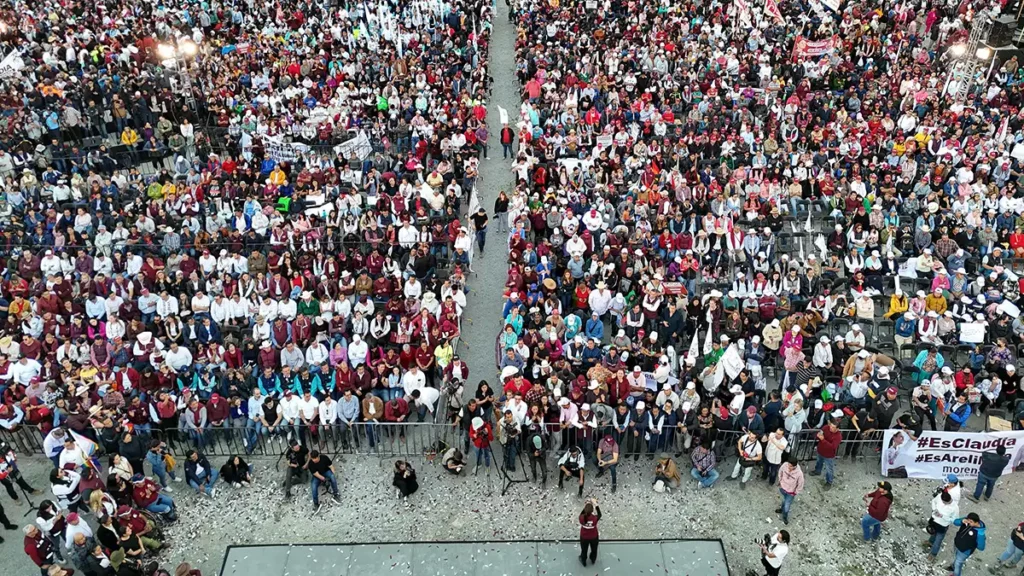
(270, 383)
(957, 413)
(595, 328)
(970, 536)
(306, 382)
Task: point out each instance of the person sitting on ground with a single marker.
(236, 472)
(405, 481)
(453, 461)
(666, 474)
(199, 474)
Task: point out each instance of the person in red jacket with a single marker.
(828, 446)
(878, 503)
(589, 518)
(481, 435)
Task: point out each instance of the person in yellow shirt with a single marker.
(129, 137)
(935, 302)
(277, 176)
(898, 304)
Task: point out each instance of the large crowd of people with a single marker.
(713, 227)
(728, 228)
(250, 216)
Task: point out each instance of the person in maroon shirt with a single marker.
(425, 360)
(31, 348)
(362, 381)
(39, 549)
(589, 536)
(396, 412)
(217, 410)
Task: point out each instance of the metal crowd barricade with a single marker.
(408, 440)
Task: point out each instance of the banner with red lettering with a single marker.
(804, 48)
(771, 8)
(938, 454)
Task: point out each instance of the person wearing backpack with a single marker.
(970, 536)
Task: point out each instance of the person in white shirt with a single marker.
(166, 306)
(944, 511)
(750, 453)
(308, 409)
(287, 309)
(357, 351)
(201, 303)
(219, 309)
(328, 411)
(775, 551)
(75, 526)
(290, 410)
(268, 309)
(413, 379)
(72, 454)
(178, 358)
(113, 304)
(424, 400)
(23, 371)
(115, 327)
(261, 329)
(207, 263)
(413, 288)
(823, 354)
(316, 354)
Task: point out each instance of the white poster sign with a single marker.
(937, 454)
(11, 64)
(1009, 308)
(972, 332)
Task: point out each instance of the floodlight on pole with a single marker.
(165, 51)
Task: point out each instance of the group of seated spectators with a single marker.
(712, 230)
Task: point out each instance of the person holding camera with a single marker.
(589, 518)
(773, 551)
(508, 436)
(750, 453)
(295, 472)
(9, 474)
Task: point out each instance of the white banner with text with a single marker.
(938, 454)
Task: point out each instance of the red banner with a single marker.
(772, 9)
(804, 48)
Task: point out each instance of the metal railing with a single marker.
(430, 440)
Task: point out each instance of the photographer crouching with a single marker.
(773, 551)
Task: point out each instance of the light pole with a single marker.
(177, 57)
